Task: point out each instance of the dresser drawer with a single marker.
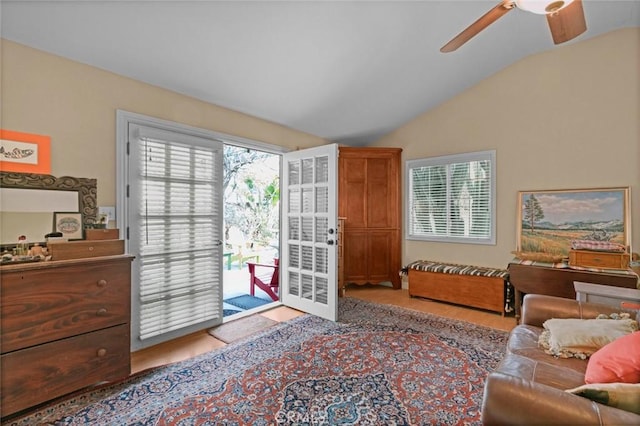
(595, 259)
(48, 304)
(41, 373)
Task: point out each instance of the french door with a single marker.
(174, 228)
(170, 210)
(308, 258)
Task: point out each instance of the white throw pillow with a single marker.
(579, 337)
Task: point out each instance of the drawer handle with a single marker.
(102, 312)
(101, 352)
(102, 283)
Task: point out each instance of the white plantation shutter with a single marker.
(452, 198)
(176, 189)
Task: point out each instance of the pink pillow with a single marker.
(618, 361)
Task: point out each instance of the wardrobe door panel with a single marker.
(378, 193)
(352, 178)
(355, 256)
(379, 255)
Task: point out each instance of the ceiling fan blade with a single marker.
(483, 22)
(567, 23)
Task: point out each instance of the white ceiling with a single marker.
(348, 71)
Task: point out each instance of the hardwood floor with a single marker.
(201, 342)
(193, 344)
(401, 297)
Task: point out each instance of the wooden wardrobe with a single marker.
(369, 198)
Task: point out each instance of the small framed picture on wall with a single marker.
(24, 152)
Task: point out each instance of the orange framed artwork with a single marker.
(24, 152)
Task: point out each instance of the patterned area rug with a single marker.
(379, 365)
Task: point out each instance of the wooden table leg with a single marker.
(518, 304)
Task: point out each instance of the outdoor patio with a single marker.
(236, 284)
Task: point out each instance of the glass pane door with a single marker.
(309, 224)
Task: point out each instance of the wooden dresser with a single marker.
(64, 326)
(369, 197)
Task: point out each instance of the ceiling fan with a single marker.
(565, 18)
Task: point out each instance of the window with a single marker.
(452, 198)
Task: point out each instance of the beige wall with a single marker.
(76, 105)
(565, 119)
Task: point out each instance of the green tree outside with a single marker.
(252, 195)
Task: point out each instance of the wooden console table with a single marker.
(553, 281)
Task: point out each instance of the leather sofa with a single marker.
(528, 386)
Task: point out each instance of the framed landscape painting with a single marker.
(548, 221)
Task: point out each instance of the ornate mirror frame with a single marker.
(86, 188)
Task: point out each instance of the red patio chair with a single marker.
(266, 277)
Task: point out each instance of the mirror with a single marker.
(28, 201)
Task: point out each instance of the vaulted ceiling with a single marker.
(348, 71)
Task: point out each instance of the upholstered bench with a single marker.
(474, 286)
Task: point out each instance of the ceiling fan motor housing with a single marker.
(554, 6)
(542, 7)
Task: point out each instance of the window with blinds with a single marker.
(452, 198)
(176, 193)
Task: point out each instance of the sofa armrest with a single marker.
(537, 308)
(510, 400)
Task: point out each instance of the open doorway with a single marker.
(251, 229)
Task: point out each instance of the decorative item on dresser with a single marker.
(369, 198)
(599, 259)
(85, 248)
(64, 326)
(102, 234)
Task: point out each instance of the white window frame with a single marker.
(448, 160)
